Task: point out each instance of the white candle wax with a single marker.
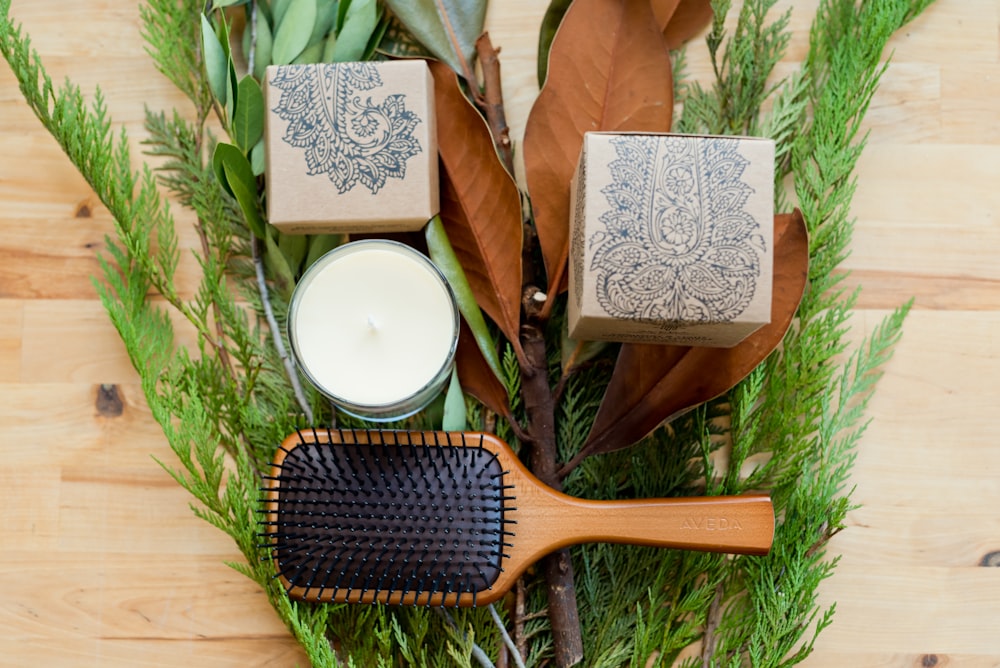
(374, 326)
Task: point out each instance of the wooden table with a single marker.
(103, 564)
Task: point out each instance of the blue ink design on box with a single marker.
(344, 135)
(678, 244)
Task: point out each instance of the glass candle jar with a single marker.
(374, 326)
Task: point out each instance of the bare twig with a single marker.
(272, 324)
(520, 606)
(558, 566)
(492, 101)
(518, 661)
(538, 399)
(711, 624)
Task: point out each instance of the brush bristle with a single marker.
(399, 514)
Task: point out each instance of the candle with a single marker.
(374, 325)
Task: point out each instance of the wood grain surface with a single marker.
(103, 564)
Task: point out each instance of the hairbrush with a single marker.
(454, 518)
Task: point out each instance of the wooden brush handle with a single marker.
(735, 524)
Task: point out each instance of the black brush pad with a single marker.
(402, 517)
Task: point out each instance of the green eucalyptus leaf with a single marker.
(448, 28)
(292, 34)
(278, 10)
(248, 120)
(222, 32)
(262, 48)
(454, 406)
(258, 158)
(242, 184)
(232, 91)
(293, 247)
(320, 245)
(342, 8)
(216, 67)
(220, 172)
(219, 4)
(277, 265)
(312, 54)
(326, 17)
(328, 47)
(245, 38)
(359, 24)
(550, 24)
(444, 257)
(264, 7)
(372, 48)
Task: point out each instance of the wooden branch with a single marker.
(535, 390)
(272, 324)
(492, 101)
(558, 566)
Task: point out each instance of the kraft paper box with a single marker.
(351, 147)
(671, 239)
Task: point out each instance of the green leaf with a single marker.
(242, 184)
(278, 10)
(219, 4)
(293, 247)
(377, 36)
(292, 35)
(262, 51)
(265, 8)
(448, 28)
(444, 257)
(328, 47)
(232, 90)
(320, 245)
(248, 120)
(342, 8)
(326, 16)
(258, 157)
(216, 62)
(220, 172)
(312, 54)
(454, 406)
(550, 24)
(277, 264)
(359, 24)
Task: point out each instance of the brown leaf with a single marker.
(688, 19)
(609, 69)
(480, 205)
(680, 20)
(652, 383)
(476, 376)
(663, 11)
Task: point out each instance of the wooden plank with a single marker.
(110, 568)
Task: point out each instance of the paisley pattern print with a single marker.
(677, 243)
(343, 133)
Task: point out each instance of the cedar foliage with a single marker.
(224, 406)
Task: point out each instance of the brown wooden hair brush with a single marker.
(453, 518)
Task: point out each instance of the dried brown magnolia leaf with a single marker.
(480, 205)
(651, 383)
(680, 20)
(609, 69)
(663, 11)
(476, 376)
